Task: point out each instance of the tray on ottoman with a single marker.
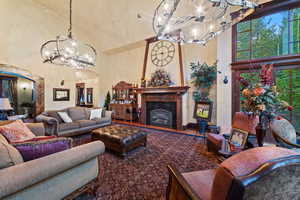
(120, 139)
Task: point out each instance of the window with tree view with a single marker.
(288, 86)
(273, 35)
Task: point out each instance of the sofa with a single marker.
(61, 175)
(81, 124)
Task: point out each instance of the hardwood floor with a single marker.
(186, 132)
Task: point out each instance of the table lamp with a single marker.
(4, 107)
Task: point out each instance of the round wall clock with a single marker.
(162, 53)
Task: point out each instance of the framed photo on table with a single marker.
(203, 110)
(238, 138)
(60, 94)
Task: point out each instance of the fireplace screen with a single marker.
(162, 114)
(161, 117)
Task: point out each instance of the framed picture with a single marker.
(60, 94)
(203, 110)
(238, 137)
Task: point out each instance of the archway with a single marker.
(34, 82)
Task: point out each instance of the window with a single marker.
(288, 86)
(273, 35)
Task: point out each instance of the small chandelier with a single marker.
(194, 21)
(69, 52)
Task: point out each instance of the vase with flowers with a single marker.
(262, 99)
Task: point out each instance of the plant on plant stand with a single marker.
(203, 77)
(262, 99)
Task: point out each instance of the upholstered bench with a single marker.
(120, 139)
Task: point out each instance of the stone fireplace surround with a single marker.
(162, 95)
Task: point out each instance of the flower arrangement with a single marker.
(159, 78)
(203, 76)
(262, 98)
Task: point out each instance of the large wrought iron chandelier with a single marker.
(67, 51)
(195, 21)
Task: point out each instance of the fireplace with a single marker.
(162, 106)
(162, 114)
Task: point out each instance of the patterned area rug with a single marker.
(143, 175)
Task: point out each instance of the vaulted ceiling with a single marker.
(111, 24)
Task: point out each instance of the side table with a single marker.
(225, 152)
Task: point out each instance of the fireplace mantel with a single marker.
(163, 90)
(162, 94)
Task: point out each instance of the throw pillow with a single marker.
(36, 139)
(16, 131)
(42, 147)
(55, 115)
(285, 129)
(65, 117)
(78, 113)
(96, 114)
(9, 156)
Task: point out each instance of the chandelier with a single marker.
(66, 51)
(195, 21)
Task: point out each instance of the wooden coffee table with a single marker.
(120, 139)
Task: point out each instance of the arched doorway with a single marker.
(24, 90)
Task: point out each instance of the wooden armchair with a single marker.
(258, 173)
(285, 134)
(240, 121)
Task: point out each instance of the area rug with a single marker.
(143, 174)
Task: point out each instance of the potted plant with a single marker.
(107, 101)
(203, 77)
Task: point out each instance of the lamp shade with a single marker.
(4, 104)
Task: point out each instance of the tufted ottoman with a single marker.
(120, 139)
